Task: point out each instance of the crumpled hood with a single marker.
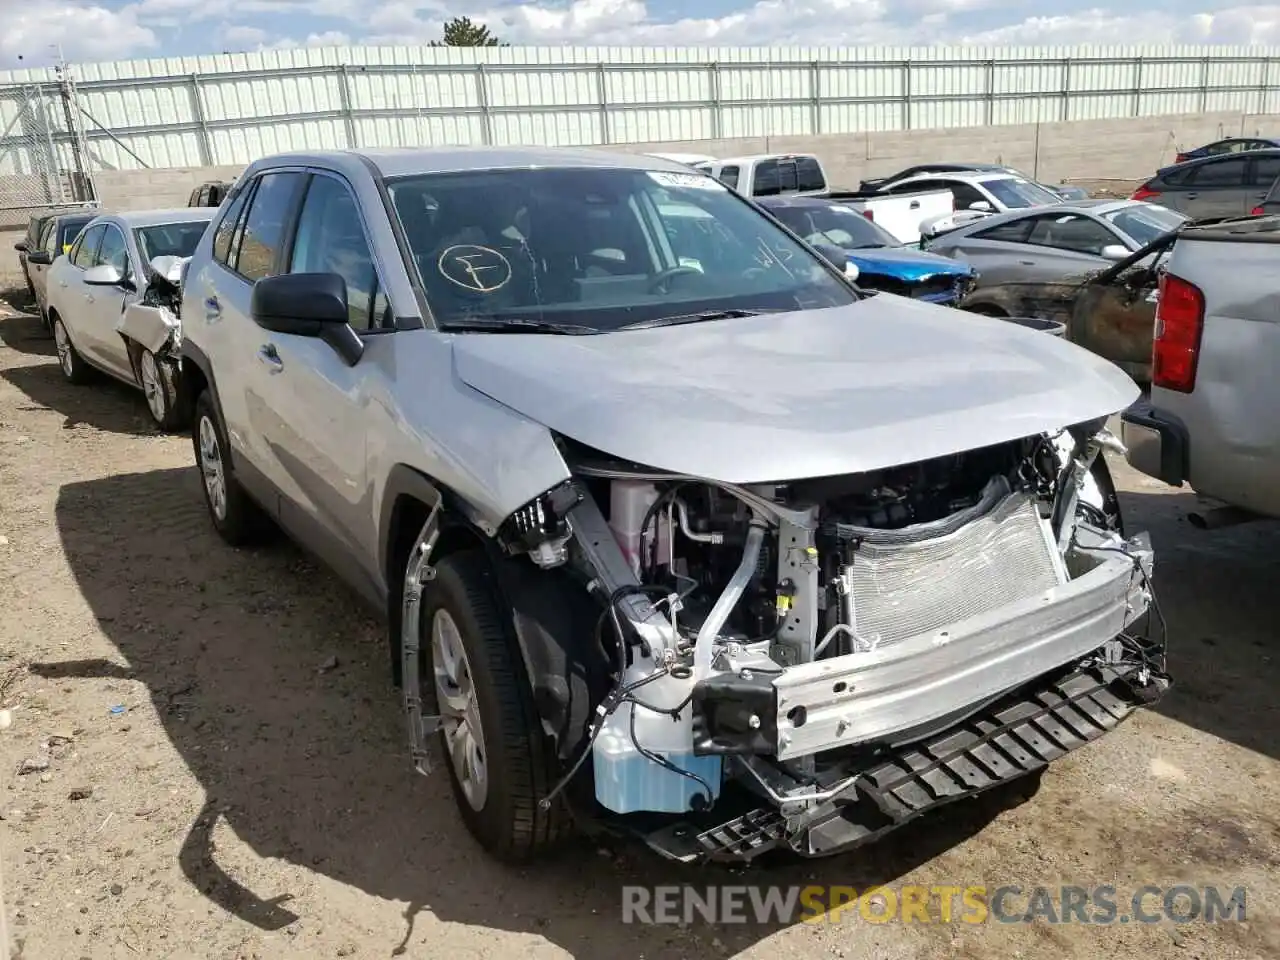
(881, 382)
(910, 266)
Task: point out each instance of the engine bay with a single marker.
(773, 637)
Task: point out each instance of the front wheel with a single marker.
(499, 763)
(165, 399)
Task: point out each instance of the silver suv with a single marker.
(666, 517)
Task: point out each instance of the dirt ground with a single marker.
(227, 776)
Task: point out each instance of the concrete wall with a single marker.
(1089, 150)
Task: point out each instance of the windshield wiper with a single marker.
(516, 325)
(689, 318)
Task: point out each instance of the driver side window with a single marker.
(86, 250)
(113, 252)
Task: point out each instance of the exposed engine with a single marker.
(777, 636)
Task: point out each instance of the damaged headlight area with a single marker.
(809, 664)
(152, 321)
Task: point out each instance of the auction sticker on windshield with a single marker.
(691, 181)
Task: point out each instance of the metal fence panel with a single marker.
(229, 109)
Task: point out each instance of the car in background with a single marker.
(1108, 311)
(35, 231)
(1048, 244)
(1225, 146)
(56, 237)
(113, 265)
(881, 261)
(1206, 423)
(688, 159)
(1214, 187)
(1270, 204)
(1064, 190)
(209, 194)
(980, 192)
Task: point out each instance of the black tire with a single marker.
(520, 763)
(70, 362)
(169, 406)
(238, 519)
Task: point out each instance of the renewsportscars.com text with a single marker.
(939, 903)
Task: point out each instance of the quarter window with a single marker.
(729, 177)
(331, 239)
(1015, 231)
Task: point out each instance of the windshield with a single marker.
(600, 248)
(1016, 194)
(834, 223)
(1145, 222)
(169, 239)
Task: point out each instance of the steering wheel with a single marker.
(658, 282)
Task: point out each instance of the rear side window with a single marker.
(809, 174)
(1015, 231)
(1219, 173)
(729, 177)
(1265, 170)
(768, 181)
(265, 224)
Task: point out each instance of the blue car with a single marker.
(883, 263)
(1229, 145)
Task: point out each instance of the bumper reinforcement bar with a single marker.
(1016, 735)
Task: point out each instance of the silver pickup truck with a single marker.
(1209, 421)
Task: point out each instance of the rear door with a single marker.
(248, 245)
(1215, 188)
(999, 253)
(1265, 171)
(39, 272)
(70, 295)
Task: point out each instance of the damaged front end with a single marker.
(152, 321)
(810, 664)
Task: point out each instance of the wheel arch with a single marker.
(552, 615)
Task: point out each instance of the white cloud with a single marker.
(34, 32)
(98, 30)
(238, 38)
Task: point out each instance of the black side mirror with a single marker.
(21, 246)
(41, 258)
(307, 305)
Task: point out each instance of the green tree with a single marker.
(464, 32)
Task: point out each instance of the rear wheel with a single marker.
(500, 765)
(73, 366)
(236, 517)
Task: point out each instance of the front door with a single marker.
(106, 304)
(309, 406)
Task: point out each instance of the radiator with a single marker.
(921, 579)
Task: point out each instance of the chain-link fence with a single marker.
(42, 151)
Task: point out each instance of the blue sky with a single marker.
(97, 30)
